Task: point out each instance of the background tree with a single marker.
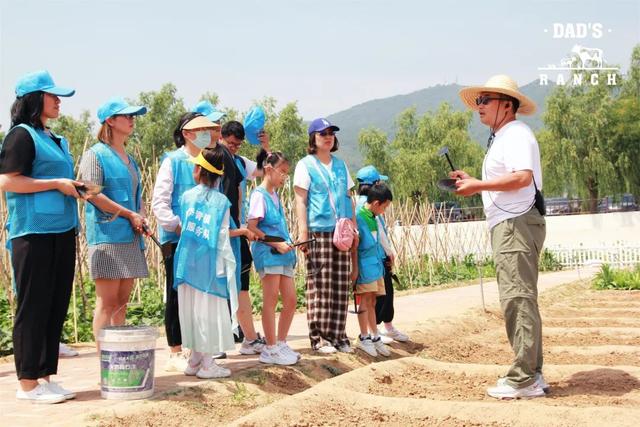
(80, 132)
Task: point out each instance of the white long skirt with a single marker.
(205, 322)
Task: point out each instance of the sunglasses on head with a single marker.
(485, 99)
(327, 133)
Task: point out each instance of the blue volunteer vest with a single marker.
(45, 211)
(182, 170)
(360, 201)
(118, 188)
(243, 187)
(202, 210)
(370, 254)
(273, 224)
(320, 215)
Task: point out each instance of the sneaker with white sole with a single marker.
(66, 351)
(40, 394)
(385, 339)
(365, 344)
(287, 349)
(505, 391)
(177, 362)
(394, 334)
(213, 371)
(193, 365)
(539, 378)
(252, 347)
(57, 388)
(381, 348)
(277, 356)
(345, 348)
(326, 349)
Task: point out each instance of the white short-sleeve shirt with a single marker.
(302, 179)
(514, 149)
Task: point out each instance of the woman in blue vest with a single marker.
(36, 172)
(323, 194)
(116, 247)
(175, 177)
(266, 217)
(205, 268)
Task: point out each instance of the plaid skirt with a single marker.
(328, 289)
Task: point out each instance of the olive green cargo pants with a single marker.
(516, 245)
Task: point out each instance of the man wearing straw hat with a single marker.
(511, 180)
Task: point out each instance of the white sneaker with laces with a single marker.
(213, 371)
(505, 391)
(66, 351)
(252, 347)
(193, 365)
(40, 394)
(394, 334)
(54, 387)
(277, 356)
(177, 362)
(285, 347)
(381, 348)
(539, 378)
(365, 344)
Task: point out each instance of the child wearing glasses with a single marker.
(205, 268)
(370, 281)
(274, 260)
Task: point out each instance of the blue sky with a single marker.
(326, 55)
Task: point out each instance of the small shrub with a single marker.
(609, 278)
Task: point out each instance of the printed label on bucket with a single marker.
(126, 371)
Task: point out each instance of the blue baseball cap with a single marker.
(209, 110)
(40, 80)
(370, 175)
(318, 125)
(118, 105)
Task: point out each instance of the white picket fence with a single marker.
(618, 255)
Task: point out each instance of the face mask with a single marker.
(203, 139)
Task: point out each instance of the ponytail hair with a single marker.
(270, 158)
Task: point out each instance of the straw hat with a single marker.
(499, 84)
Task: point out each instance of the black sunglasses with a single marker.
(127, 116)
(327, 133)
(485, 99)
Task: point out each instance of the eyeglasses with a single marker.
(326, 133)
(126, 116)
(485, 99)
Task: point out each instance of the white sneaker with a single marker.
(252, 347)
(277, 356)
(345, 348)
(539, 378)
(385, 339)
(40, 394)
(285, 347)
(213, 371)
(66, 351)
(365, 344)
(505, 391)
(54, 387)
(326, 349)
(193, 365)
(381, 348)
(394, 334)
(177, 362)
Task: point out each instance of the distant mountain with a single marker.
(382, 113)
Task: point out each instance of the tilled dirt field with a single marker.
(592, 363)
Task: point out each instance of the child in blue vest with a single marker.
(266, 217)
(366, 177)
(205, 267)
(370, 281)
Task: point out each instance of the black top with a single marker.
(18, 152)
(231, 183)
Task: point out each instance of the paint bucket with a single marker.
(127, 360)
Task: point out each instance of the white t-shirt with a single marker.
(258, 205)
(302, 179)
(250, 168)
(514, 149)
